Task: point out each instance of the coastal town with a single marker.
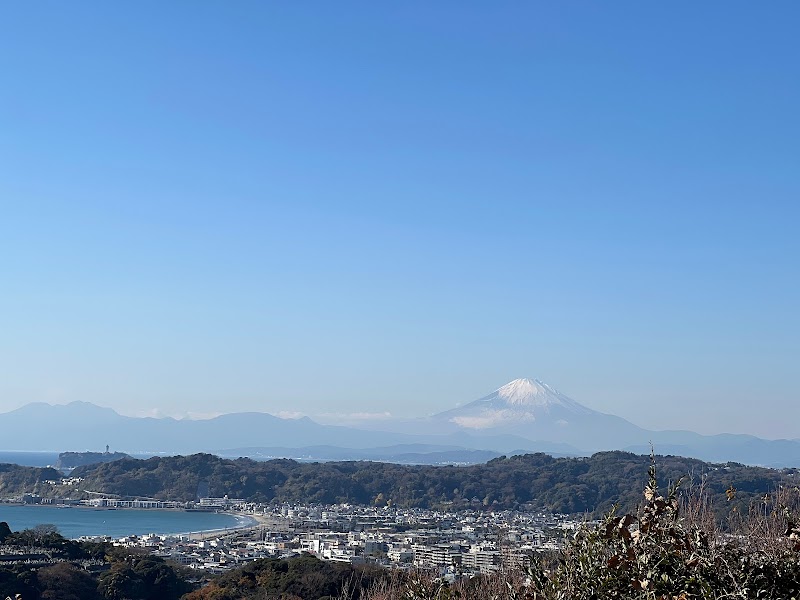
(455, 544)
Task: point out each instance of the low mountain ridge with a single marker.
(403, 454)
(525, 415)
(573, 485)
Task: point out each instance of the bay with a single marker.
(74, 522)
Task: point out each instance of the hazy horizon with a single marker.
(365, 421)
(360, 209)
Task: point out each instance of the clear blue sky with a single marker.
(336, 207)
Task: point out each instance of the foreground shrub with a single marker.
(658, 555)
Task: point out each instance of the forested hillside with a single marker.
(16, 479)
(58, 568)
(570, 485)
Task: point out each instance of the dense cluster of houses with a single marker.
(464, 542)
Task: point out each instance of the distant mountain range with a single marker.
(522, 416)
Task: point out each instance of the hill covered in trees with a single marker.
(303, 577)
(16, 479)
(568, 485)
(40, 564)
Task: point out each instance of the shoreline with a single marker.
(244, 521)
(252, 521)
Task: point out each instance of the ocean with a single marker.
(29, 459)
(74, 522)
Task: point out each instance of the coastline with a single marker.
(243, 521)
(250, 521)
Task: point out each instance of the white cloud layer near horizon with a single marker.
(328, 418)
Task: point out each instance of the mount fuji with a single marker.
(532, 409)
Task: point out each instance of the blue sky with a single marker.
(368, 207)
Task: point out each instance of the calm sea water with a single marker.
(29, 459)
(75, 522)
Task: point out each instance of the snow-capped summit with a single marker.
(532, 393)
(528, 395)
(523, 391)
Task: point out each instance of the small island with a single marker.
(70, 460)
